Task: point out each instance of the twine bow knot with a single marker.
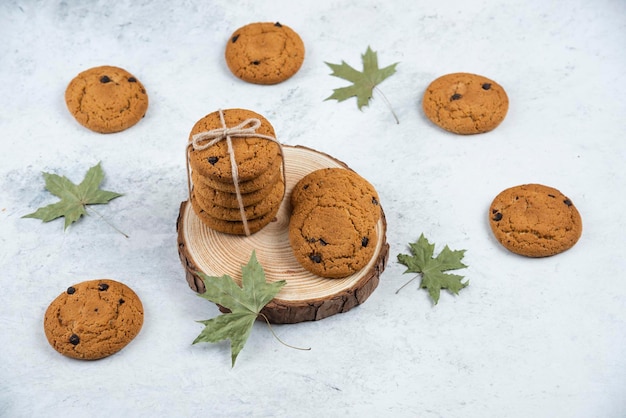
(247, 128)
(207, 139)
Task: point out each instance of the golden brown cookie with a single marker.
(234, 227)
(337, 184)
(106, 99)
(535, 220)
(264, 53)
(253, 155)
(268, 204)
(265, 180)
(332, 239)
(93, 319)
(465, 103)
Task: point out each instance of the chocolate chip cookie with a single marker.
(535, 220)
(93, 319)
(465, 103)
(106, 99)
(332, 228)
(332, 240)
(264, 53)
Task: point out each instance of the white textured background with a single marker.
(527, 338)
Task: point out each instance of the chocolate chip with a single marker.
(455, 96)
(71, 290)
(234, 38)
(213, 160)
(365, 241)
(121, 301)
(568, 202)
(102, 287)
(74, 340)
(132, 80)
(255, 62)
(497, 217)
(552, 196)
(316, 258)
(306, 186)
(105, 79)
(486, 86)
(374, 201)
(278, 25)
(322, 242)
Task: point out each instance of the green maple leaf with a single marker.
(364, 82)
(432, 269)
(74, 198)
(245, 304)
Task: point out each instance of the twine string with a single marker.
(204, 140)
(247, 128)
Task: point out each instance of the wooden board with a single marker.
(305, 297)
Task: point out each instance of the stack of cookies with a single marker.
(332, 229)
(259, 163)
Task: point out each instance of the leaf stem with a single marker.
(279, 340)
(388, 104)
(404, 285)
(106, 221)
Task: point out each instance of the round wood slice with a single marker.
(305, 297)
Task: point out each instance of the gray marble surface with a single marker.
(528, 337)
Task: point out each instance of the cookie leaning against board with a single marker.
(332, 229)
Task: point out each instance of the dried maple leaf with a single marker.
(364, 82)
(245, 304)
(74, 198)
(432, 269)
